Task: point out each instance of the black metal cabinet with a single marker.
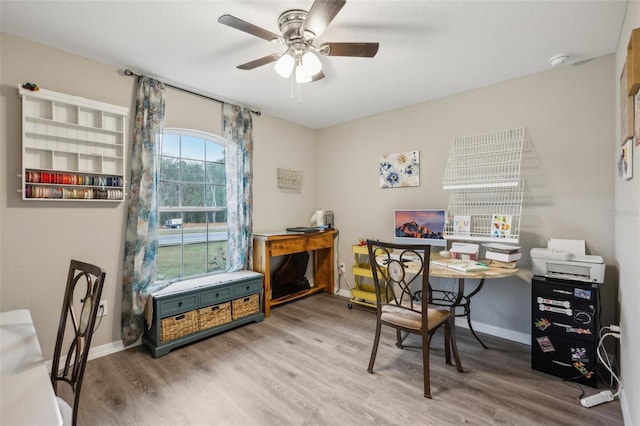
(565, 322)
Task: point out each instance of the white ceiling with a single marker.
(428, 49)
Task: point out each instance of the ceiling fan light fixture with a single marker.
(284, 65)
(302, 74)
(311, 63)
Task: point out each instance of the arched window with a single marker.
(192, 205)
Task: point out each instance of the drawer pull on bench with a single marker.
(179, 303)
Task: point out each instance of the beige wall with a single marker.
(37, 239)
(627, 245)
(567, 167)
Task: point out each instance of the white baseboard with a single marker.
(624, 405)
(102, 350)
(344, 293)
(110, 348)
(504, 333)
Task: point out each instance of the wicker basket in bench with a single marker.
(245, 306)
(213, 316)
(178, 326)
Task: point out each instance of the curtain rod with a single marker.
(130, 73)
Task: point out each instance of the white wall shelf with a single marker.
(483, 175)
(72, 148)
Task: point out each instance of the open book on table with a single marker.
(460, 265)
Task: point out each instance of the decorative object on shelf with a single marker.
(462, 225)
(72, 148)
(501, 225)
(31, 86)
(400, 170)
(625, 162)
(483, 176)
(290, 180)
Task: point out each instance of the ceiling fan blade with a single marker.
(245, 26)
(362, 50)
(320, 16)
(319, 76)
(260, 62)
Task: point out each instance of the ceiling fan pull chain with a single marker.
(291, 80)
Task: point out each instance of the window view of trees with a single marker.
(192, 205)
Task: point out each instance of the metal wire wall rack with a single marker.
(483, 175)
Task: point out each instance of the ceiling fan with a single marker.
(299, 30)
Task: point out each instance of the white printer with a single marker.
(566, 259)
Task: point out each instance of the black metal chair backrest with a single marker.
(83, 292)
(396, 268)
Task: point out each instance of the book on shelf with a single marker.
(502, 248)
(460, 265)
(507, 265)
(503, 257)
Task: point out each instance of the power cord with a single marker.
(341, 274)
(607, 363)
(605, 395)
(100, 315)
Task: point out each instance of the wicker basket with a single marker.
(215, 315)
(178, 326)
(245, 306)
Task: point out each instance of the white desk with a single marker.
(26, 393)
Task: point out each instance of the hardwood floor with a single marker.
(307, 365)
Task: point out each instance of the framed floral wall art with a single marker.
(400, 170)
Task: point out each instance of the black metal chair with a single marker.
(395, 267)
(83, 291)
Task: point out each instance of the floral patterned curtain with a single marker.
(238, 129)
(141, 239)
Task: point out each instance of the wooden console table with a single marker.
(321, 244)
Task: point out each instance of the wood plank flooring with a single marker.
(307, 365)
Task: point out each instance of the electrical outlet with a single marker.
(341, 269)
(620, 332)
(102, 308)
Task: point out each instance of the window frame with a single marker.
(207, 137)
